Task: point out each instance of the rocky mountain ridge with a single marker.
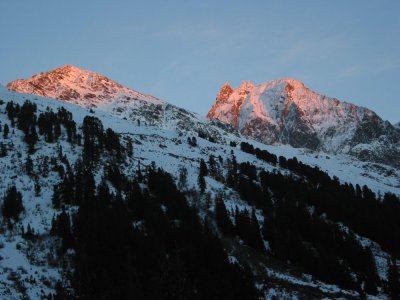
(284, 111)
(280, 111)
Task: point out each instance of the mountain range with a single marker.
(278, 193)
(280, 111)
(284, 111)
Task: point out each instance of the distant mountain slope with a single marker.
(285, 111)
(94, 91)
(82, 87)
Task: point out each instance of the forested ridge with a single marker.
(140, 235)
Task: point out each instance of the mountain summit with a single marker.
(286, 111)
(82, 87)
(92, 90)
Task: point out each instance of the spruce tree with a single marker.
(222, 217)
(3, 150)
(212, 166)
(56, 198)
(202, 183)
(12, 204)
(203, 168)
(31, 138)
(57, 131)
(64, 231)
(203, 172)
(6, 131)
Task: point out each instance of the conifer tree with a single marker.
(12, 204)
(222, 217)
(3, 150)
(212, 166)
(89, 187)
(202, 183)
(203, 168)
(64, 231)
(10, 111)
(56, 198)
(27, 117)
(203, 172)
(6, 131)
(242, 222)
(57, 131)
(129, 147)
(31, 138)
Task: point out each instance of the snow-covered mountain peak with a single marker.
(285, 111)
(72, 84)
(229, 101)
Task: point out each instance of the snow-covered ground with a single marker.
(163, 144)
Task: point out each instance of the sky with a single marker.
(184, 51)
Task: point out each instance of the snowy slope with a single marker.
(284, 111)
(82, 87)
(167, 147)
(180, 124)
(91, 90)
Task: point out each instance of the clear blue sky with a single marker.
(183, 51)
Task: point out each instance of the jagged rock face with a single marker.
(232, 100)
(285, 111)
(77, 86)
